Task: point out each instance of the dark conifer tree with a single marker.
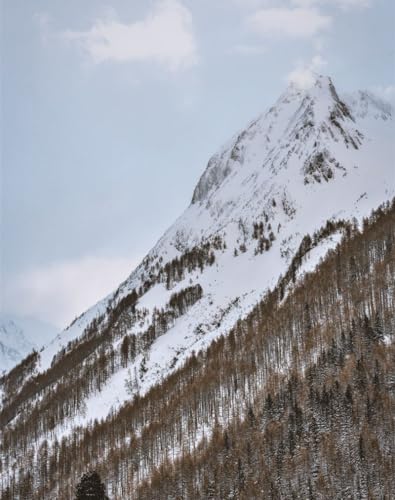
(91, 487)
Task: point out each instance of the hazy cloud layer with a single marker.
(63, 290)
(386, 92)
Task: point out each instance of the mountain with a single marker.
(310, 158)
(19, 336)
(295, 185)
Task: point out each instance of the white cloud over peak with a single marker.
(303, 75)
(299, 22)
(165, 36)
(386, 92)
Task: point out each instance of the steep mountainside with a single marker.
(309, 159)
(19, 336)
(322, 429)
(295, 402)
(268, 207)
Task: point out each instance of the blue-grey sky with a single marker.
(111, 110)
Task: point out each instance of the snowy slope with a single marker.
(19, 336)
(311, 157)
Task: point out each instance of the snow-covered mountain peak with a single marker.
(321, 101)
(309, 123)
(309, 159)
(321, 88)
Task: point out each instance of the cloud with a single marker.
(304, 75)
(386, 92)
(165, 37)
(288, 22)
(60, 292)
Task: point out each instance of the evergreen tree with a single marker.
(90, 487)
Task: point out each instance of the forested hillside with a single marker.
(294, 402)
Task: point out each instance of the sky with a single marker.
(110, 112)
